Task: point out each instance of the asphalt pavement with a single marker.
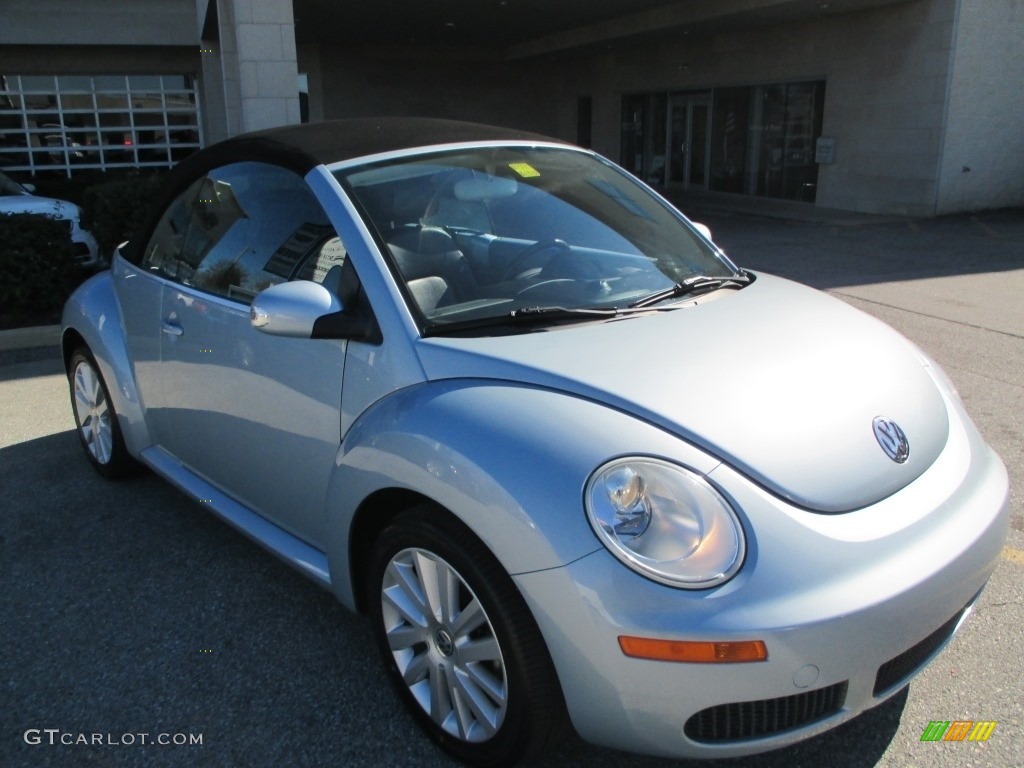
(127, 610)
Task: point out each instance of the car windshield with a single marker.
(10, 187)
(484, 233)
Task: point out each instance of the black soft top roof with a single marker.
(302, 147)
(335, 140)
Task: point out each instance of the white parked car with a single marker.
(15, 198)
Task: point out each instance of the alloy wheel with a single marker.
(444, 645)
(93, 413)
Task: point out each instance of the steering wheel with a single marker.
(515, 267)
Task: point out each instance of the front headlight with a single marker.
(665, 522)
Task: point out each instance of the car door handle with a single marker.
(172, 329)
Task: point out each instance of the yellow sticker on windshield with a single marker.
(525, 170)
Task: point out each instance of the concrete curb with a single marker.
(27, 338)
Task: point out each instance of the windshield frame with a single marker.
(400, 166)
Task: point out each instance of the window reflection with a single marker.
(761, 139)
(244, 228)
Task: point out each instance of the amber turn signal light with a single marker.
(694, 652)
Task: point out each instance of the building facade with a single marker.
(904, 107)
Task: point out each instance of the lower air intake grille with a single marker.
(896, 670)
(752, 719)
(80, 251)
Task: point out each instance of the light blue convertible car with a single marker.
(575, 464)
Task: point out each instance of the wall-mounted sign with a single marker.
(825, 150)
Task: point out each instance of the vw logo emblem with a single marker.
(891, 438)
(444, 642)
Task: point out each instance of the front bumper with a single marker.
(850, 607)
(86, 252)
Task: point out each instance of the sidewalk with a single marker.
(28, 338)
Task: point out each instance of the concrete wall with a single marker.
(915, 91)
(458, 84)
(983, 156)
(884, 102)
(886, 73)
(258, 57)
(308, 63)
(247, 75)
(92, 60)
(98, 22)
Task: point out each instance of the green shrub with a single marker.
(38, 267)
(63, 188)
(114, 209)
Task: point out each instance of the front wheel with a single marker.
(459, 643)
(95, 417)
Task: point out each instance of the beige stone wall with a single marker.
(92, 60)
(886, 73)
(916, 90)
(428, 82)
(97, 22)
(248, 75)
(983, 154)
(259, 70)
(884, 103)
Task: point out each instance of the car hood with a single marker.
(58, 209)
(778, 380)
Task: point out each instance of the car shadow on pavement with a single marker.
(130, 609)
(29, 363)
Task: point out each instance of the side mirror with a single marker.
(292, 309)
(704, 229)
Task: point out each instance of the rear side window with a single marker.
(163, 254)
(243, 228)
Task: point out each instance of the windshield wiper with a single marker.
(692, 286)
(531, 314)
(538, 316)
(542, 314)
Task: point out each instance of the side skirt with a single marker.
(292, 550)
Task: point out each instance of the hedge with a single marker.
(114, 209)
(37, 264)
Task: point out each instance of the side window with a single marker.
(218, 234)
(243, 228)
(163, 254)
(322, 258)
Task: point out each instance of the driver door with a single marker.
(255, 415)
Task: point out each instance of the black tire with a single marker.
(523, 709)
(95, 418)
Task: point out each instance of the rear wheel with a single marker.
(95, 417)
(459, 643)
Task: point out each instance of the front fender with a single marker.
(510, 461)
(92, 312)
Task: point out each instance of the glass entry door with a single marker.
(689, 126)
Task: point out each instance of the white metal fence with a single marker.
(63, 123)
